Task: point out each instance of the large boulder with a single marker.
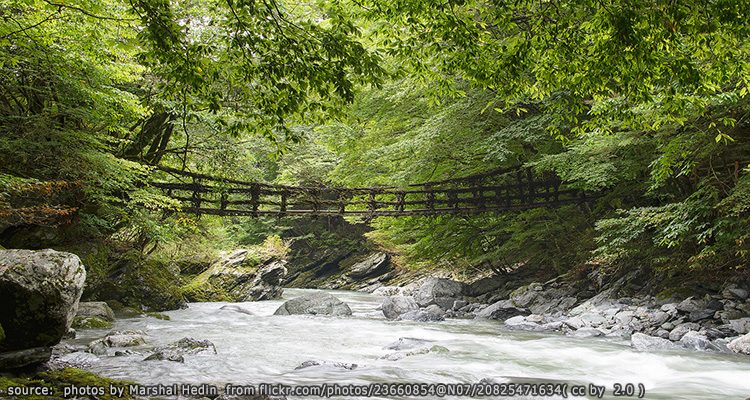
(267, 283)
(39, 294)
(131, 279)
(643, 342)
(375, 264)
(396, 305)
(98, 309)
(238, 276)
(318, 303)
(438, 291)
(501, 310)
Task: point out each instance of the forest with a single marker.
(644, 103)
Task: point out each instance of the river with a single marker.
(264, 348)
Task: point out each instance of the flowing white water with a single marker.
(264, 348)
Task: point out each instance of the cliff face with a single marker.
(332, 253)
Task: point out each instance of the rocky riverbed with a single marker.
(342, 336)
(718, 323)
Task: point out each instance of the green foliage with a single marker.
(625, 65)
(59, 379)
(554, 240)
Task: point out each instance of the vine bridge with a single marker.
(498, 190)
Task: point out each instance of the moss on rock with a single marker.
(201, 290)
(90, 323)
(160, 316)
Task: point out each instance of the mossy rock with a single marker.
(2, 335)
(90, 323)
(136, 281)
(201, 290)
(59, 379)
(160, 316)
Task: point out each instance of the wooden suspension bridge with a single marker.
(498, 190)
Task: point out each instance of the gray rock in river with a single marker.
(394, 306)
(236, 308)
(98, 309)
(522, 323)
(178, 350)
(318, 303)
(740, 345)
(432, 313)
(586, 333)
(316, 363)
(39, 294)
(695, 341)
(423, 350)
(435, 290)
(501, 310)
(407, 343)
(643, 342)
(116, 339)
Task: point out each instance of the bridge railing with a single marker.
(515, 189)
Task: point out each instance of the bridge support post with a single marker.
(255, 198)
(282, 206)
(400, 201)
(197, 196)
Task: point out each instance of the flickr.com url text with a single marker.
(478, 390)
